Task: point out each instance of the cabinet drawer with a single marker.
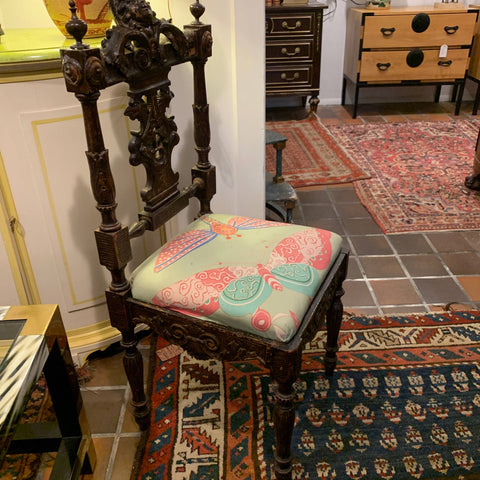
(290, 51)
(288, 77)
(289, 24)
(394, 31)
(392, 66)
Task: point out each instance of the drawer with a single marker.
(290, 51)
(392, 66)
(290, 24)
(395, 31)
(289, 77)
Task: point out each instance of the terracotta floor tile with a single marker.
(109, 371)
(313, 196)
(381, 267)
(371, 245)
(473, 238)
(462, 263)
(410, 243)
(440, 290)
(403, 310)
(352, 210)
(331, 121)
(369, 311)
(395, 292)
(472, 286)
(449, 242)
(103, 448)
(439, 117)
(395, 118)
(331, 224)
(318, 211)
(357, 294)
(343, 195)
(122, 468)
(423, 265)
(103, 408)
(361, 226)
(353, 269)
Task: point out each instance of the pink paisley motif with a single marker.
(261, 320)
(198, 294)
(269, 278)
(310, 246)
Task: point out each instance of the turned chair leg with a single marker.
(334, 322)
(133, 364)
(285, 368)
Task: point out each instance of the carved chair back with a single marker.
(140, 50)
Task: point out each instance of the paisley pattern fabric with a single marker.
(252, 275)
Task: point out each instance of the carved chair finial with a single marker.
(197, 10)
(76, 27)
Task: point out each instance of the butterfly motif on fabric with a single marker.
(193, 239)
(240, 289)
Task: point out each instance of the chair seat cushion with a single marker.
(252, 275)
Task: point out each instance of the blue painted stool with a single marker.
(277, 190)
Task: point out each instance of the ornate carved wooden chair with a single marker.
(228, 287)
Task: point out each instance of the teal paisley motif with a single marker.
(297, 276)
(244, 295)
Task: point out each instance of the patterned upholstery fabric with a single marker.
(252, 275)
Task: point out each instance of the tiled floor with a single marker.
(388, 274)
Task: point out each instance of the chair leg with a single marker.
(284, 369)
(133, 364)
(334, 321)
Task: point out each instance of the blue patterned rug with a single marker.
(404, 403)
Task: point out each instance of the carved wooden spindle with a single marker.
(334, 321)
(201, 115)
(284, 369)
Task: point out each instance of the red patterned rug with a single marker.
(416, 170)
(311, 156)
(404, 403)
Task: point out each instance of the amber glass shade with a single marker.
(96, 13)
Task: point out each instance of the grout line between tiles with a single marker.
(116, 440)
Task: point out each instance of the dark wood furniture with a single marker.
(277, 190)
(293, 51)
(403, 47)
(37, 342)
(133, 53)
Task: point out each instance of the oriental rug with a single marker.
(416, 170)
(403, 403)
(311, 156)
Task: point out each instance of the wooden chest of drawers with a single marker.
(407, 46)
(293, 46)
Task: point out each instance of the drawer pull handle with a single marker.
(444, 63)
(383, 66)
(290, 54)
(387, 32)
(450, 30)
(283, 76)
(285, 25)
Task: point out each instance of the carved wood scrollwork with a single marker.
(140, 40)
(153, 143)
(200, 342)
